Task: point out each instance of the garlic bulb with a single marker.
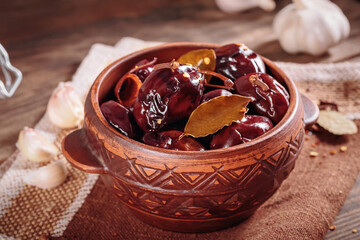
(49, 176)
(34, 146)
(65, 108)
(233, 6)
(310, 26)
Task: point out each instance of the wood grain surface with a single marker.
(47, 41)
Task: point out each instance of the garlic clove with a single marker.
(49, 176)
(233, 6)
(65, 108)
(34, 146)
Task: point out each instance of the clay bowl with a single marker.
(185, 191)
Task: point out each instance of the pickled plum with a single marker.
(143, 68)
(120, 118)
(215, 93)
(171, 140)
(154, 102)
(236, 60)
(168, 95)
(271, 99)
(250, 127)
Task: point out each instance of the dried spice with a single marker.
(313, 154)
(255, 81)
(127, 88)
(204, 59)
(228, 84)
(332, 228)
(211, 116)
(333, 152)
(336, 123)
(343, 148)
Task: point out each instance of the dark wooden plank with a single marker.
(348, 218)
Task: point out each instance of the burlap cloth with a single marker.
(303, 208)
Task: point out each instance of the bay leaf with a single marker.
(211, 116)
(336, 123)
(203, 59)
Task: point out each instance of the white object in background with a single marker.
(65, 108)
(9, 86)
(233, 6)
(49, 176)
(310, 26)
(34, 146)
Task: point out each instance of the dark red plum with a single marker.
(215, 93)
(271, 99)
(250, 127)
(120, 118)
(170, 140)
(168, 94)
(236, 60)
(143, 68)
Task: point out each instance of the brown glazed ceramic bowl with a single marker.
(195, 191)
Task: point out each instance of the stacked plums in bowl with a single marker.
(182, 104)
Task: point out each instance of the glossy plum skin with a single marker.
(143, 69)
(168, 95)
(170, 92)
(250, 127)
(170, 140)
(215, 93)
(236, 60)
(120, 118)
(272, 103)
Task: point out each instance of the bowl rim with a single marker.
(285, 121)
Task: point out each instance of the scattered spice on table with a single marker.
(313, 154)
(343, 148)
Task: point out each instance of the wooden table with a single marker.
(48, 40)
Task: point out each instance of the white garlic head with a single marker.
(310, 26)
(65, 108)
(35, 147)
(233, 6)
(49, 176)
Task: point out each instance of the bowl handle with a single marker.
(76, 150)
(311, 111)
